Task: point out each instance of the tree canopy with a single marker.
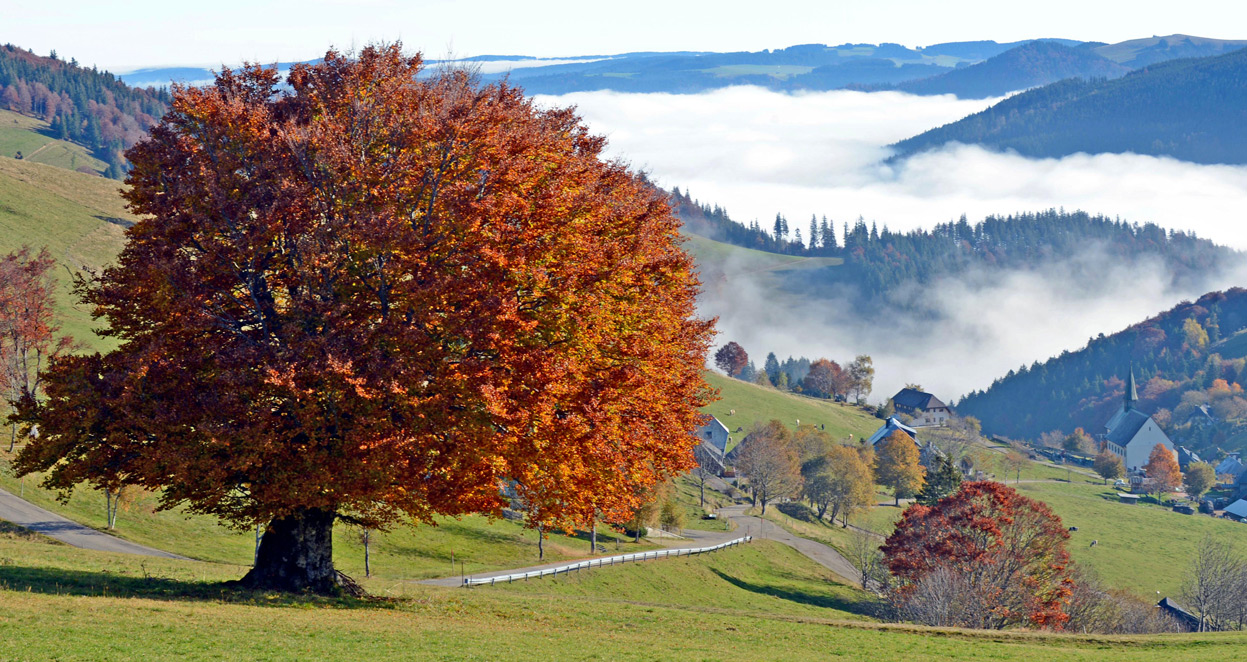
(984, 557)
(379, 295)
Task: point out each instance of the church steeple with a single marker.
(1132, 392)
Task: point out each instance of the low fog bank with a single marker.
(756, 152)
(955, 335)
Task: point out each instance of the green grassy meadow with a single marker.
(80, 218)
(30, 136)
(756, 602)
(754, 403)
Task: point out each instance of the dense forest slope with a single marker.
(875, 262)
(86, 106)
(1194, 110)
(1029, 65)
(1184, 358)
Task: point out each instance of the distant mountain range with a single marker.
(816, 67)
(1191, 109)
(1030, 65)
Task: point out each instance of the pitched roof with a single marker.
(909, 398)
(1186, 456)
(890, 426)
(1238, 508)
(1230, 465)
(714, 422)
(1128, 427)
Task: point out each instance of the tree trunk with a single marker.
(764, 506)
(367, 560)
(296, 554)
(541, 549)
(703, 490)
(593, 539)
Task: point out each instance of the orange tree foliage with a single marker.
(381, 297)
(825, 379)
(898, 466)
(1163, 474)
(998, 557)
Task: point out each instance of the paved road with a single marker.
(27, 515)
(818, 552)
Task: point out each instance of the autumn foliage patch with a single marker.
(984, 557)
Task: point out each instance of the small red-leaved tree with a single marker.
(731, 359)
(984, 557)
(27, 333)
(378, 296)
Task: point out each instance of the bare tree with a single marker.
(864, 554)
(1212, 582)
(708, 465)
(770, 463)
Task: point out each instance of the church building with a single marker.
(1132, 434)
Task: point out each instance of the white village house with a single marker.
(715, 433)
(925, 408)
(1132, 434)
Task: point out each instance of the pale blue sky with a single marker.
(140, 33)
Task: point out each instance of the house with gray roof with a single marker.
(1231, 466)
(1186, 457)
(715, 433)
(925, 408)
(1132, 434)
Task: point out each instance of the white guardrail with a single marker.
(604, 561)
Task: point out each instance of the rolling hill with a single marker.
(1183, 350)
(1029, 65)
(80, 218)
(1193, 110)
(1137, 53)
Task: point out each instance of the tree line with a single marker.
(877, 260)
(821, 378)
(87, 106)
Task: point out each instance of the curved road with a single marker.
(29, 516)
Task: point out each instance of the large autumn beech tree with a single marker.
(375, 296)
(983, 557)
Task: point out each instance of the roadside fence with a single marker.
(604, 561)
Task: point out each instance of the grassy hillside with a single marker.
(1143, 548)
(750, 603)
(33, 139)
(80, 218)
(754, 403)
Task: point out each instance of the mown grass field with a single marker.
(1144, 548)
(79, 218)
(752, 603)
(19, 133)
(754, 403)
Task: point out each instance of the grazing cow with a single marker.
(1073, 528)
(1094, 543)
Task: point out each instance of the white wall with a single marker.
(1141, 446)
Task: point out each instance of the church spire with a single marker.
(1132, 392)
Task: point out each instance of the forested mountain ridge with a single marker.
(1030, 65)
(878, 261)
(1194, 110)
(89, 107)
(1188, 356)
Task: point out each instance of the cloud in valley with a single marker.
(757, 152)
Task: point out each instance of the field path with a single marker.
(29, 516)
